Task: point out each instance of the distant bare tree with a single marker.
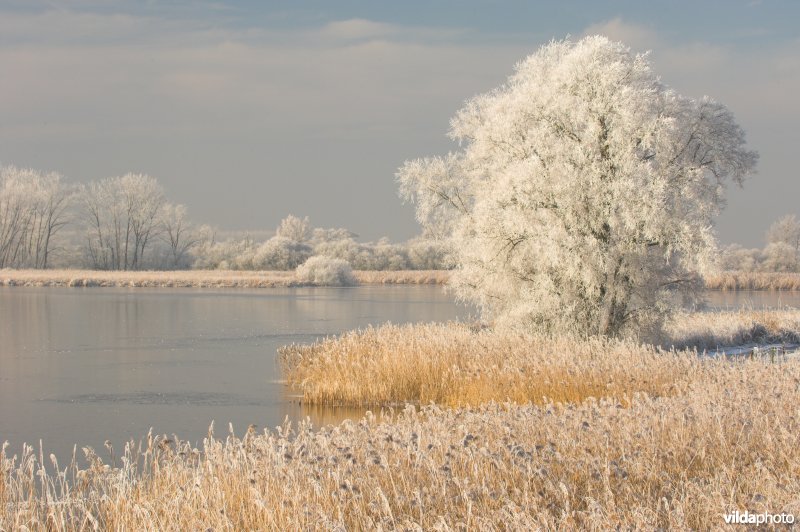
(122, 217)
(180, 235)
(33, 209)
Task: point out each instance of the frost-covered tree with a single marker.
(122, 216)
(581, 201)
(785, 233)
(780, 257)
(786, 230)
(294, 228)
(736, 258)
(322, 235)
(33, 207)
(179, 235)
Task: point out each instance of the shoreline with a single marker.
(730, 281)
(200, 278)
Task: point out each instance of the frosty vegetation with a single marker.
(325, 271)
(127, 223)
(32, 211)
(781, 253)
(581, 200)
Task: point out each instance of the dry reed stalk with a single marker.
(728, 440)
(403, 276)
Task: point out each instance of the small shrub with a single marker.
(325, 271)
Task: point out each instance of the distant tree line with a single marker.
(126, 223)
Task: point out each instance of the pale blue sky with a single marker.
(248, 111)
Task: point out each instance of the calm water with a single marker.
(722, 300)
(85, 365)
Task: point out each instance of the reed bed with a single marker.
(199, 278)
(454, 365)
(458, 365)
(403, 276)
(733, 280)
(727, 439)
(713, 330)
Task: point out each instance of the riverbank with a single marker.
(199, 278)
(725, 281)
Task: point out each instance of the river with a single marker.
(86, 365)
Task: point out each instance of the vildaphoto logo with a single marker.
(747, 518)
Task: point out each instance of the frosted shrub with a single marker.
(345, 249)
(334, 234)
(231, 254)
(382, 255)
(737, 258)
(427, 254)
(280, 253)
(388, 256)
(325, 271)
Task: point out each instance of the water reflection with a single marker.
(751, 299)
(82, 365)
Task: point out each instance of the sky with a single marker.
(247, 111)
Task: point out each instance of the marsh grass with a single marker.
(726, 439)
(457, 365)
(403, 276)
(454, 365)
(712, 330)
(200, 278)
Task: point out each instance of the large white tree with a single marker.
(581, 200)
